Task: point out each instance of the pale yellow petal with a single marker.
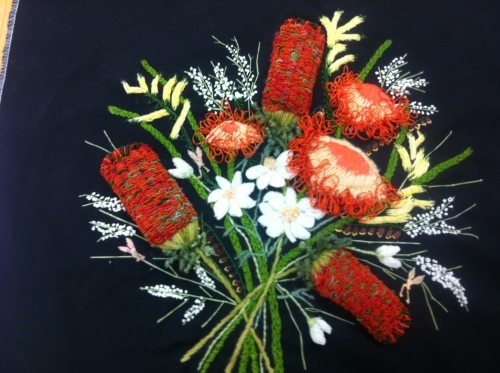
(405, 157)
(167, 89)
(423, 204)
(389, 219)
(154, 85)
(411, 190)
(176, 94)
(142, 82)
(132, 90)
(350, 25)
(420, 165)
(151, 116)
(180, 120)
(337, 48)
(340, 62)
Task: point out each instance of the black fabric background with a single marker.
(63, 312)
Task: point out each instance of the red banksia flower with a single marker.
(340, 277)
(151, 196)
(340, 178)
(365, 110)
(297, 51)
(228, 132)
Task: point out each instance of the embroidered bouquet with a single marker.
(297, 203)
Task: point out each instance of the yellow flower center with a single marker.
(290, 214)
(270, 162)
(229, 193)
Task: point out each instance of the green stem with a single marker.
(376, 56)
(393, 159)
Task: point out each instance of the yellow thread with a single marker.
(342, 61)
(414, 189)
(389, 219)
(132, 90)
(154, 85)
(180, 120)
(151, 116)
(423, 204)
(405, 157)
(142, 82)
(176, 94)
(420, 165)
(167, 89)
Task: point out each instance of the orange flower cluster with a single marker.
(339, 177)
(338, 276)
(297, 51)
(365, 110)
(228, 132)
(151, 196)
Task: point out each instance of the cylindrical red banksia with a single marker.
(151, 196)
(296, 58)
(340, 277)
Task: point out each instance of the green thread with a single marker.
(436, 170)
(238, 250)
(393, 159)
(276, 327)
(376, 56)
(245, 355)
(220, 344)
(328, 230)
(256, 247)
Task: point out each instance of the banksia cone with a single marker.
(295, 61)
(339, 276)
(151, 196)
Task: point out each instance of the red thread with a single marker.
(295, 61)
(352, 285)
(228, 132)
(365, 110)
(151, 196)
(340, 178)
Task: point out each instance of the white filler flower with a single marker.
(273, 172)
(385, 254)
(317, 329)
(283, 214)
(231, 197)
(182, 169)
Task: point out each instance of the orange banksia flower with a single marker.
(229, 132)
(151, 196)
(297, 51)
(365, 110)
(340, 178)
(340, 277)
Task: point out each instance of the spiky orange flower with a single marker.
(228, 132)
(295, 61)
(340, 178)
(151, 196)
(340, 277)
(365, 110)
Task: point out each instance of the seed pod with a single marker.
(340, 277)
(151, 196)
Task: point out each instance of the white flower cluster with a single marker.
(247, 79)
(192, 311)
(432, 222)
(166, 291)
(398, 83)
(222, 88)
(204, 277)
(112, 204)
(418, 108)
(112, 230)
(443, 276)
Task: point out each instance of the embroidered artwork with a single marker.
(268, 200)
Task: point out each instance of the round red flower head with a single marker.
(340, 178)
(365, 110)
(228, 132)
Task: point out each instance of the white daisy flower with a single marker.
(231, 197)
(182, 169)
(283, 214)
(385, 254)
(273, 172)
(317, 329)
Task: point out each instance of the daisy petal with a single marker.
(215, 195)
(256, 171)
(299, 231)
(221, 207)
(234, 208)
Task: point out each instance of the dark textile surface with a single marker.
(60, 311)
